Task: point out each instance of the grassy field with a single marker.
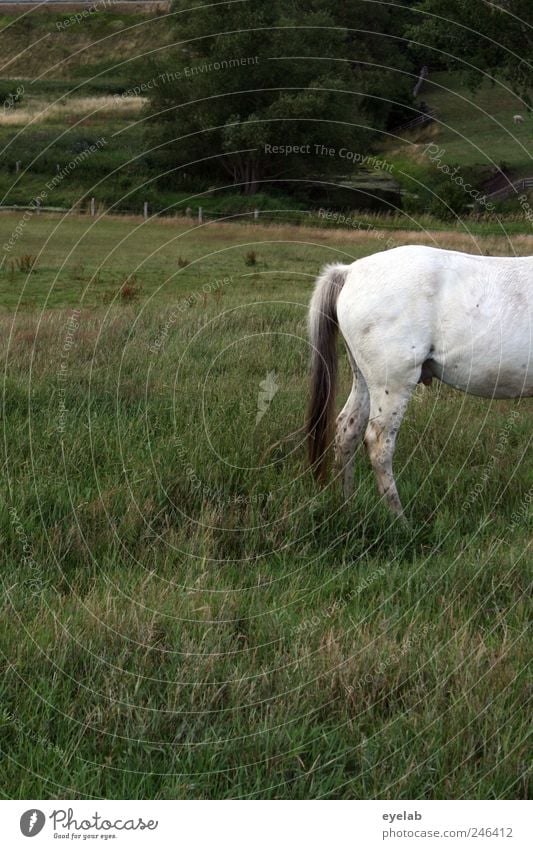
(184, 614)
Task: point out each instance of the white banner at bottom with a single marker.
(266, 824)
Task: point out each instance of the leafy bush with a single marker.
(11, 94)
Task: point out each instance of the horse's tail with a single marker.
(323, 329)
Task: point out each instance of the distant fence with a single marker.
(91, 210)
(200, 215)
(419, 121)
(323, 218)
(15, 207)
(515, 187)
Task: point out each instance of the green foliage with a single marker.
(476, 38)
(317, 75)
(11, 94)
(270, 89)
(444, 194)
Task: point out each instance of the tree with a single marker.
(275, 89)
(478, 36)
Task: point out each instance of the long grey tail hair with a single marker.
(323, 330)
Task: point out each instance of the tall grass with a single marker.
(185, 615)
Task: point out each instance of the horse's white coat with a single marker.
(413, 313)
(470, 316)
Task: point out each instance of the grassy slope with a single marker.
(238, 633)
(475, 128)
(102, 41)
(479, 124)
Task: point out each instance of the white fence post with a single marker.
(256, 214)
(200, 215)
(92, 207)
(145, 210)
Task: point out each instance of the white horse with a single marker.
(407, 315)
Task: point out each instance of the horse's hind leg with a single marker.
(351, 425)
(387, 409)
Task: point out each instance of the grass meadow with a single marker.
(184, 614)
(475, 126)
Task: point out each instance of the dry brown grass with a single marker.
(519, 244)
(40, 111)
(467, 242)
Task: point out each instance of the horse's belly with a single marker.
(483, 338)
(499, 380)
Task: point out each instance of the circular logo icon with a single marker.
(32, 822)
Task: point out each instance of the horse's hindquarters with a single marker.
(414, 313)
